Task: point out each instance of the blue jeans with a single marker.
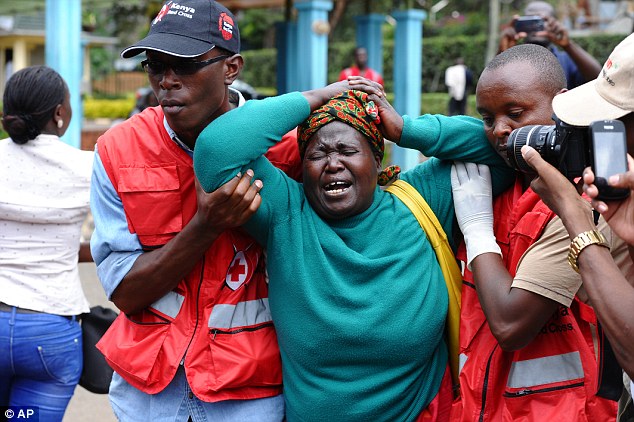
(177, 403)
(40, 362)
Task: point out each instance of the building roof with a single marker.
(11, 7)
(33, 25)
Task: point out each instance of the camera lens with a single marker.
(536, 136)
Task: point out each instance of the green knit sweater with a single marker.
(359, 304)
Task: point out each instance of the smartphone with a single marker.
(608, 154)
(529, 24)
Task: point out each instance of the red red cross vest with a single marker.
(217, 320)
(552, 378)
(368, 73)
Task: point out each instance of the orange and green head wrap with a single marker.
(350, 107)
(353, 108)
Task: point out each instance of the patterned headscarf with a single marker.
(352, 108)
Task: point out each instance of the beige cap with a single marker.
(609, 96)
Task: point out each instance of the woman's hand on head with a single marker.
(320, 96)
(391, 121)
(362, 84)
(618, 214)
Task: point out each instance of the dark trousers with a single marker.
(457, 107)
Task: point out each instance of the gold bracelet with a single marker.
(591, 237)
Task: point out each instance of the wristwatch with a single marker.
(591, 237)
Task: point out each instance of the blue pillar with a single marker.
(370, 37)
(287, 65)
(408, 53)
(312, 42)
(64, 54)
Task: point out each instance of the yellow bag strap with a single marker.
(450, 270)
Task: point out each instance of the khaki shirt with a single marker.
(544, 268)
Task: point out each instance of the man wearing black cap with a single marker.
(194, 339)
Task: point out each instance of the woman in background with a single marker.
(44, 199)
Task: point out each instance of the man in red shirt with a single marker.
(360, 67)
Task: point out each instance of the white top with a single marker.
(44, 199)
(456, 81)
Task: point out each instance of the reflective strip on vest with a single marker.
(462, 359)
(170, 304)
(242, 314)
(532, 372)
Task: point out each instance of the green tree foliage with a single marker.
(101, 60)
(438, 53)
(133, 19)
(257, 28)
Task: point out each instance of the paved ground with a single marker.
(86, 406)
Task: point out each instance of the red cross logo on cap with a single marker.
(225, 26)
(162, 12)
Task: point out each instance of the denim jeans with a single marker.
(40, 362)
(177, 403)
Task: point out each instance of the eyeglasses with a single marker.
(156, 68)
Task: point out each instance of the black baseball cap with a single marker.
(189, 28)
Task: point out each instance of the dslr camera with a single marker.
(570, 149)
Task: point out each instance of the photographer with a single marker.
(611, 96)
(579, 66)
(526, 333)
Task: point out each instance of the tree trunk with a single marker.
(494, 30)
(337, 14)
